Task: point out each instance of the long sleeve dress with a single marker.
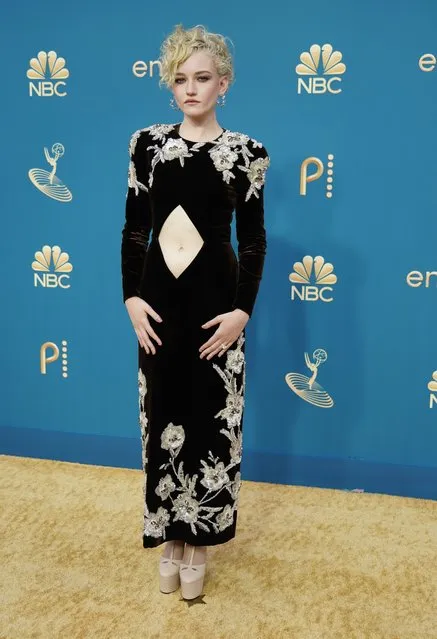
(191, 409)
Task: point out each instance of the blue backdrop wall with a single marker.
(344, 98)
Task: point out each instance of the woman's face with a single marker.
(197, 79)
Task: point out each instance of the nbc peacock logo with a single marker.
(432, 387)
(312, 280)
(51, 268)
(306, 387)
(47, 73)
(320, 61)
(47, 181)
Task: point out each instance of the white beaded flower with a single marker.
(165, 487)
(142, 384)
(256, 172)
(225, 518)
(154, 523)
(235, 358)
(214, 477)
(186, 507)
(172, 438)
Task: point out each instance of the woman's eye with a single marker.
(201, 77)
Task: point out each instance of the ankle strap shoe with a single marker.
(169, 579)
(192, 577)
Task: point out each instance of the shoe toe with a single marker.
(169, 567)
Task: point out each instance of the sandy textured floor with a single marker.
(307, 563)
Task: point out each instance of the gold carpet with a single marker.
(307, 563)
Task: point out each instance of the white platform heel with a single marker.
(192, 577)
(169, 579)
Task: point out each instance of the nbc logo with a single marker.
(49, 353)
(306, 387)
(51, 258)
(432, 387)
(318, 172)
(47, 73)
(47, 181)
(322, 274)
(320, 59)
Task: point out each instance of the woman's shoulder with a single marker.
(150, 132)
(158, 128)
(146, 135)
(253, 161)
(255, 146)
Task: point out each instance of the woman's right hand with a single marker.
(138, 311)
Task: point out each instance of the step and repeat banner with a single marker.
(342, 351)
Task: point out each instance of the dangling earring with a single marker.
(173, 104)
(221, 100)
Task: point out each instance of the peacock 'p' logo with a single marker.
(315, 277)
(320, 61)
(47, 73)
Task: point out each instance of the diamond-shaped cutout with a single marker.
(179, 240)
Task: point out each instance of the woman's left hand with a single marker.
(230, 326)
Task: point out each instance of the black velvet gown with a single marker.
(191, 409)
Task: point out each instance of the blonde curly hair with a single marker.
(181, 43)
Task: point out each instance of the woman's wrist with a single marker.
(240, 312)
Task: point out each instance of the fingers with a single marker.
(218, 351)
(141, 340)
(143, 328)
(213, 321)
(144, 332)
(144, 340)
(215, 347)
(153, 313)
(153, 334)
(148, 341)
(210, 342)
(221, 350)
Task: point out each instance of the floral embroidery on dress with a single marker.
(225, 156)
(134, 139)
(158, 132)
(226, 151)
(142, 388)
(186, 505)
(256, 173)
(154, 523)
(224, 159)
(173, 149)
(132, 180)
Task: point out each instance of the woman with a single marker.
(189, 300)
